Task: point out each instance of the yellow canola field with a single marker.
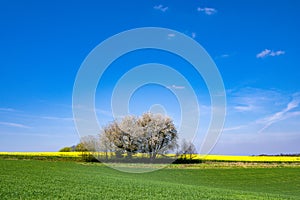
(249, 158)
(194, 156)
(43, 154)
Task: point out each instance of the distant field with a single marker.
(33, 179)
(77, 155)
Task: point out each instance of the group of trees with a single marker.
(79, 148)
(151, 134)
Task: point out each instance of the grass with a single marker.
(33, 179)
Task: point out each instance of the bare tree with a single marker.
(111, 139)
(187, 148)
(105, 145)
(89, 143)
(152, 134)
(129, 135)
(159, 134)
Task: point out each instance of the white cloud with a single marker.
(244, 108)
(58, 118)
(293, 114)
(281, 115)
(104, 112)
(170, 35)
(264, 53)
(234, 128)
(208, 11)
(176, 87)
(224, 55)
(256, 144)
(161, 8)
(254, 99)
(194, 35)
(14, 125)
(262, 108)
(268, 52)
(277, 53)
(252, 111)
(7, 109)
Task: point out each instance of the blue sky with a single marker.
(255, 45)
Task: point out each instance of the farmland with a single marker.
(221, 158)
(34, 179)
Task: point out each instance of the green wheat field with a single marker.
(44, 179)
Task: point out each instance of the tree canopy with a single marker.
(151, 133)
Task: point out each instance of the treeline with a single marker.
(148, 137)
(282, 154)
